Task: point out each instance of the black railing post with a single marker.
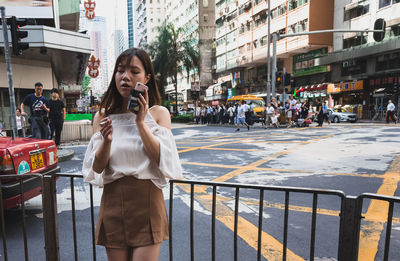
(50, 218)
(350, 219)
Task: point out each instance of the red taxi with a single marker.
(23, 156)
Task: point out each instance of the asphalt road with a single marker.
(353, 158)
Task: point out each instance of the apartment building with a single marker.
(197, 18)
(365, 73)
(130, 23)
(149, 14)
(241, 42)
(57, 54)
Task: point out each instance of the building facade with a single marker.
(149, 15)
(357, 57)
(57, 55)
(197, 19)
(130, 23)
(242, 43)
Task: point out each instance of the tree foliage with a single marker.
(171, 54)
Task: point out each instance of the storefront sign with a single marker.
(346, 86)
(229, 93)
(304, 64)
(210, 92)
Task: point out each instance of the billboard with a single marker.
(28, 8)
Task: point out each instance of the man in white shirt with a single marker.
(390, 112)
(269, 112)
(241, 116)
(292, 108)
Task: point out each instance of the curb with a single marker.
(65, 155)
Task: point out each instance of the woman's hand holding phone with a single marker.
(106, 129)
(144, 107)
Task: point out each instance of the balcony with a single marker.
(67, 51)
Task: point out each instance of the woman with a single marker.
(132, 156)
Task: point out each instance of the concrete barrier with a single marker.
(76, 130)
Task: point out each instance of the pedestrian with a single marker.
(231, 112)
(320, 113)
(197, 114)
(247, 111)
(241, 116)
(38, 105)
(20, 123)
(326, 112)
(288, 114)
(269, 113)
(209, 114)
(203, 115)
(390, 112)
(132, 155)
(57, 116)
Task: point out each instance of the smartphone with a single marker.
(133, 104)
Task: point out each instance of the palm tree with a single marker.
(171, 55)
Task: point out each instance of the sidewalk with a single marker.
(65, 154)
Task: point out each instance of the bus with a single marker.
(258, 104)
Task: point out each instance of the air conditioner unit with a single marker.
(221, 13)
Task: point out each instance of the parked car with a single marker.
(337, 115)
(23, 156)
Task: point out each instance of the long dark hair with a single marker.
(112, 99)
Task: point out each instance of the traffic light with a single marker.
(380, 24)
(17, 35)
(278, 78)
(194, 95)
(287, 79)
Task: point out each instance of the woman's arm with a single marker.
(103, 152)
(150, 143)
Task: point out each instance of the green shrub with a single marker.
(184, 118)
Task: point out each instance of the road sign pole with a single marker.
(275, 38)
(269, 54)
(283, 83)
(13, 120)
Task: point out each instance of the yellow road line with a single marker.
(281, 170)
(271, 249)
(248, 167)
(320, 211)
(222, 149)
(371, 232)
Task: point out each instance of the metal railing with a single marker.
(261, 189)
(350, 216)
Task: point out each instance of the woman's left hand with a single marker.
(144, 107)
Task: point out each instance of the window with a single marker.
(361, 9)
(383, 3)
(354, 41)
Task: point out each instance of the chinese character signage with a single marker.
(93, 67)
(304, 64)
(346, 86)
(89, 5)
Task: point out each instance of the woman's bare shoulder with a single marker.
(161, 115)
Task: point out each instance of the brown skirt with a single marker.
(132, 214)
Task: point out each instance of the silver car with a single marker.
(339, 115)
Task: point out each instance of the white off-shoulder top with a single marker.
(127, 154)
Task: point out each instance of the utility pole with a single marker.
(268, 54)
(13, 119)
(283, 84)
